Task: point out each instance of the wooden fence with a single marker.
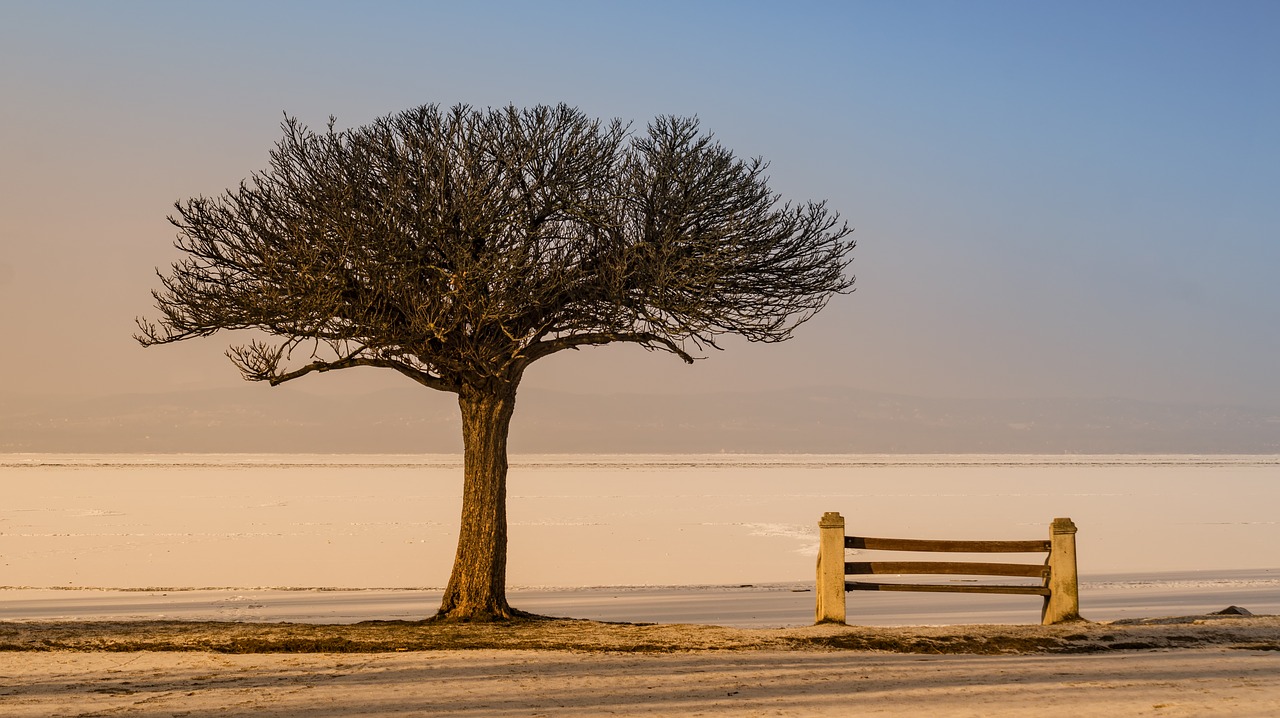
(1058, 582)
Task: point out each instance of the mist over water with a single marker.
(390, 521)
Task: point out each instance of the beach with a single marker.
(522, 683)
(1104, 598)
(715, 539)
(1223, 665)
(281, 585)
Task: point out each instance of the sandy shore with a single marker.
(1193, 666)
(753, 606)
(78, 651)
(1198, 682)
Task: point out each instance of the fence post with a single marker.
(1063, 602)
(830, 587)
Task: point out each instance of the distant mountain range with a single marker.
(255, 418)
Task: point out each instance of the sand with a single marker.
(753, 606)
(527, 683)
(210, 522)
(1195, 667)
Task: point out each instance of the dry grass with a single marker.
(1253, 632)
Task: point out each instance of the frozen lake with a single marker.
(390, 522)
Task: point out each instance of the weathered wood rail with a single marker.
(1058, 581)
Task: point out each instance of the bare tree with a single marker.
(458, 247)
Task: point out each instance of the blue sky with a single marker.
(1051, 199)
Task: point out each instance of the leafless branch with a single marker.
(457, 246)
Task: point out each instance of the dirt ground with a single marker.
(1168, 667)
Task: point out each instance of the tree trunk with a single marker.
(477, 589)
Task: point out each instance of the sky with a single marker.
(1052, 199)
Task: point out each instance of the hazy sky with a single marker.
(1073, 199)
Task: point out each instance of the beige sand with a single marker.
(1195, 682)
(1167, 667)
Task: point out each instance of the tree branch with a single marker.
(459, 246)
(645, 339)
(261, 362)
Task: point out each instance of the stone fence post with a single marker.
(1063, 602)
(830, 585)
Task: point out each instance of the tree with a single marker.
(458, 247)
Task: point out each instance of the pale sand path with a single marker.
(1192, 682)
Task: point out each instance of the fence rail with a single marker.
(888, 544)
(966, 568)
(959, 588)
(1059, 584)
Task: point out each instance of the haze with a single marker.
(1067, 202)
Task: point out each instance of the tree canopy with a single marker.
(458, 246)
